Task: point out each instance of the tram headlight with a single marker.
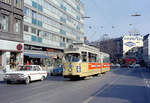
(78, 69)
(70, 69)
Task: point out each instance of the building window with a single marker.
(63, 39)
(33, 30)
(38, 32)
(17, 25)
(4, 22)
(26, 28)
(6, 1)
(18, 3)
(26, 11)
(34, 14)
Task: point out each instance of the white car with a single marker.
(26, 73)
(135, 66)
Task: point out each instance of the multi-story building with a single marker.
(11, 32)
(50, 26)
(130, 42)
(130, 49)
(146, 49)
(127, 47)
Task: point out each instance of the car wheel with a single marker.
(42, 78)
(27, 81)
(8, 82)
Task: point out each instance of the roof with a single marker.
(146, 37)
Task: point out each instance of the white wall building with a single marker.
(131, 41)
(51, 25)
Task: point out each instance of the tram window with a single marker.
(72, 57)
(92, 57)
(106, 60)
(84, 57)
(98, 60)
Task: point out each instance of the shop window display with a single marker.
(13, 60)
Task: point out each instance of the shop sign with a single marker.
(50, 50)
(26, 47)
(36, 48)
(130, 44)
(11, 45)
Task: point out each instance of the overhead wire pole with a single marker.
(93, 32)
(86, 17)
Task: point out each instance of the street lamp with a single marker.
(134, 31)
(85, 17)
(136, 14)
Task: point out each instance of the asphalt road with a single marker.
(118, 86)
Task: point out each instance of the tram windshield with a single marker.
(72, 57)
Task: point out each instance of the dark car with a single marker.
(57, 71)
(124, 65)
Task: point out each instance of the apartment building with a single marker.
(50, 26)
(11, 32)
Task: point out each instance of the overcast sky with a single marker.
(117, 13)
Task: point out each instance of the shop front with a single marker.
(46, 57)
(11, 53)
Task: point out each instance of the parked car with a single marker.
(124, 65)
(26, 73)
(117, 65)
(57, 71)
(112, 65)
(135, 66)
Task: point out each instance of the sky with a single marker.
(113, 17)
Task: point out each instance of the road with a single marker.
(122, 85)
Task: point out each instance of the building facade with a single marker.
(130, 42)
(50, 26)
(146, 49)
(11, 32)
(132, 48)
(127, 47)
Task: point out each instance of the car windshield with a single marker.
(24, 68)
(72, 57)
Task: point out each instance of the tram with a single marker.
(81, 60)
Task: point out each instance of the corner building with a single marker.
(50, 26)
(11, 33)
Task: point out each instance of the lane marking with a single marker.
(106, 87)
(147, 85)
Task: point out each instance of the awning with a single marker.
(36, 55)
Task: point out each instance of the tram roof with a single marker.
(82, 46)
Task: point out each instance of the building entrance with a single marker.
(13, 56)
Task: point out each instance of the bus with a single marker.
(81, 60)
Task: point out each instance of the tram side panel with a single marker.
(75, 70)
(106, 67)
(81, 69)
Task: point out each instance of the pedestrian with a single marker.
(36, 62)
(27, 63)
(31, 62)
